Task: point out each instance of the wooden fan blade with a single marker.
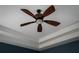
(39, 29)
(54, 23)
(28, 12)
(27, 23)
(48, 11)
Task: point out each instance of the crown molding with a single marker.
(11, 36)
(64, 35)
(60, 32)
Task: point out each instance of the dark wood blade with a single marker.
(39, 29)
(54, 23)
(28, 12)
(24, 24)
(48, 11)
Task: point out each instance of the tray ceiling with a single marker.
(11, 17)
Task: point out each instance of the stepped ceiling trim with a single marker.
(48, 41)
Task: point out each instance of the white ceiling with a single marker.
(11, 16)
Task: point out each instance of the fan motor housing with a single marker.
(39, 15)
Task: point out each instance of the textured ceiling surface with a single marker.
(11, 17)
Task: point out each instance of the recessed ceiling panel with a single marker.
(11, 16)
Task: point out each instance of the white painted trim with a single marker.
(65, 38)
(43, 43)
(15, 33)
(10, 40)
(61, 32)
(16, 38)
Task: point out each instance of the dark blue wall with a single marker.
(72, 47)
(7, 48)
(66, 48)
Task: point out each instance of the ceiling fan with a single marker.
(39, 17)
